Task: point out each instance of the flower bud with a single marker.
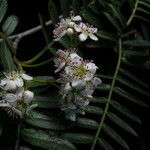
(70, 31)
(28, 96)
(71, 24)
(11, 86)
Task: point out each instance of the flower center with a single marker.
(80, 71)
(87, 31)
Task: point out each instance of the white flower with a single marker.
(61, 58)
(13, 80)
(78, 82)
(13, 99)
(28, 97)
(65, 26)
(85, 31)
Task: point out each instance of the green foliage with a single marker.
(10, 24)
(6, 56)
(41, 139)
(109, 113)
(53, 13)
(3, 9)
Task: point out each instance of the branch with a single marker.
(19, 36)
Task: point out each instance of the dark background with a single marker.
(27, 12)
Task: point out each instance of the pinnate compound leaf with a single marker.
(121, 124)
(43, 140)
(115, 136)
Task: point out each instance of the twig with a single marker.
(19, 36)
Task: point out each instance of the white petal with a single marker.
(28, 96)
(88, 76)
(78, 83)
(91, 67)
(77, 18)
(19, 82)
(60, 67)
(4, 82)
(69, 70)
(70, 31)
(93, 37)
(11, 86)
(26, 77)
(83, 37)
(10, 97)
(97, 81)
(67, 87)
(77, 28)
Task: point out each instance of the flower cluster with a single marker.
(78, 81)
(16, 99)
(74, 26)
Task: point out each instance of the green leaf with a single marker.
(100, 100)
(3, 9)
(136, 43)
(125, 111)
(133, 77)
(102, 3)
(107, 36)
(65, 41)
(129, 97)
(87, 123)
(113, 21)
(93, 110)
(105, 145)
(6, 57)
(79, 138)
(133, 86)
(65, 7)
(45, 121)
(24, 148)
(121, 123)
(115, 136)
(142, 18)
(91, 18)
(10, 24)
(43, 140)
(39, 81)
(50, 101)
(118, 14)
(53, 13)
(76, 6)
(104, 87)
(143, 11)
(144, 4)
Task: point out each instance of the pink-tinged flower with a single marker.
(85, 31)
(65, 26)
(81, 72)
(62, 58)
(78, 82)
